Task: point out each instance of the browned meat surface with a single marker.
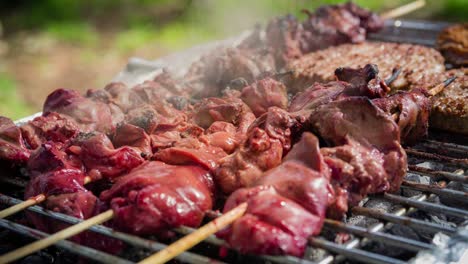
(12, 147)
(453, 44)
(89, 115)
(52, 127)
(287, 205)
(52, 156)
(135, 137)
(421, 67)
(287, 38)
(155, 197)
(267, 140)
(265, 93)
(101, 159)
(410, 111)
(450, 110)
(363, 161)
(283, 39)
(332, 25)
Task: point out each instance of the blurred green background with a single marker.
(50, 44)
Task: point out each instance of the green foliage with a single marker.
(10, 103)
(76, 33)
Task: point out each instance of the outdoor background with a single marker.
(82, 44)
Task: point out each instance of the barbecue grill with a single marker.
(387, 228)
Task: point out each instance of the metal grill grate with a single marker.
(449, 160)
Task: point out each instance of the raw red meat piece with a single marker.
(156, 197)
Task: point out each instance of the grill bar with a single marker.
(451, 147)
(130, 239)
(84, 251)
(433, 173)
(184, 230)
(426, 206)
(403, 220)
(445, 192)
(378, 236)
(437, 157)
(353, 253)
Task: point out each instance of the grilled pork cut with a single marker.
(450, 109)
(421, 67)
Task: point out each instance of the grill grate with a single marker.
(446, 162)
(335, 252)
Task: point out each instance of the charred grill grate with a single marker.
(434, 188)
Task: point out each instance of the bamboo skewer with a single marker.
(196, 237)
(61, 235)
(29, 202)
(403, 10)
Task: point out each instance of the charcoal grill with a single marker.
(387, 228)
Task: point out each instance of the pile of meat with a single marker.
(163, 153)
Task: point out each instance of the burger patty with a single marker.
(421, 67)
(453, 44)
(450, 109)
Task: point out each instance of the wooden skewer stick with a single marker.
(403, 10)
(61, 235)
(196, 237)
(29, 202)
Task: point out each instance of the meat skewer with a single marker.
(403, 10)
(196, 237)
(29, 202)
(61, 235)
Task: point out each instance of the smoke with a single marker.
(230, 17)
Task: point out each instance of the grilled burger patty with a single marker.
(453, 44)
(450, 109)
(421, 67)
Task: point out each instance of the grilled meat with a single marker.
(283, 39)
(421, 67)
(12, 145)
(453, 44)
(337, 24)
(267, 139)
(410, 110)
(263, 94)
(285, 207)
(450, 110)
(101, 159)
(156, 197)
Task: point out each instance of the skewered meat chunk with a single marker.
(332, 25)
(421, 67)
(363, 161)
(101, 159)
(135, 137)
(267, 140)
(12, 147)
(450, 110)
(285, 207)
(65, 194)
(51, 156)
(453, 44)
(411, 111)
(203, 155)
(89, 115)
(283, 39)
(156, 197)
(288, 39)
(265, 93)
(52, 127)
